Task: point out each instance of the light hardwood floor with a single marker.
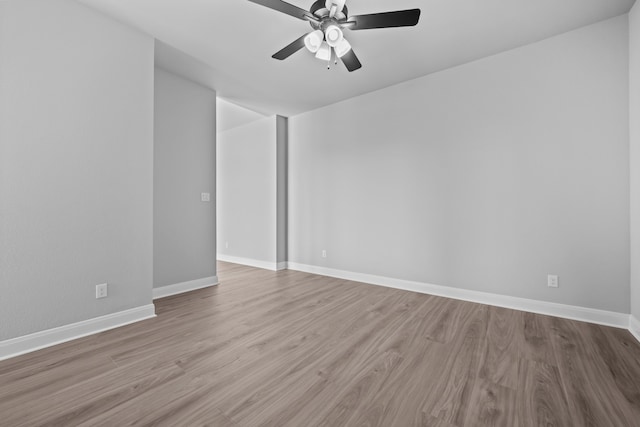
(295, 349)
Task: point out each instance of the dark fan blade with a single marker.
(290, 49)
(351, 61)
(398, 18)
(285, 7)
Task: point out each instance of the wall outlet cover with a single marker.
(101, 291)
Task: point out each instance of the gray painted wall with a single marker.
(247, 185)
(76, 165)
(634, 116)
(282, 138)
(184, 246)
(488, 176)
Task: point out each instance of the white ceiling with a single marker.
(236, 38)
(230, 115)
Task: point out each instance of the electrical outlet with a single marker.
(324, 253)
(205, 197)
(101, 291)
(552, 281)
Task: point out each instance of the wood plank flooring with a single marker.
(293, 349)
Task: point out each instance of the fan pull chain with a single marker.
(333, 58)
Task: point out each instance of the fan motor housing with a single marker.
(318, 8)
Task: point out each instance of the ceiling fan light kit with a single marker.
(342, 48)
(313, 40)
(324, 53)
(329, 19)
(333, 35)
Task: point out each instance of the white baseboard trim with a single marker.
(634, 326)
(180, 288)
(282, 266)
(50, 337)
(591, 315)
(266, 265)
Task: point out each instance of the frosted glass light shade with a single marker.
(324, 52)
(333, 35)
(313, 40)
(342, 48)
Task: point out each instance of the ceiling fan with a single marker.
(329, 18)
